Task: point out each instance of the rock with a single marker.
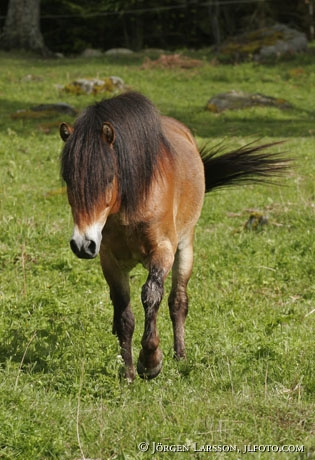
(118, 52)
(85, 85)
(95, 85)
(43, 111)
(117, 82)
(91, 53)
(234, 100)
(60, 107)
(292, 42)
(267, 42)
(31, 77)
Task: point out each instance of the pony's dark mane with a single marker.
(89, 163)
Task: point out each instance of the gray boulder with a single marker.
(235, 100)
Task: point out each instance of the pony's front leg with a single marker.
(123, 322)
(123, 327)
(151, 357)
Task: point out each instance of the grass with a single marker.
(249, 376)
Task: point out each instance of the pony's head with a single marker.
(88, 168)
(108, 161)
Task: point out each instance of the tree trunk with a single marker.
(22, 27)
(213, 10)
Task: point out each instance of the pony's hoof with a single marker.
(180, 355)
(147, 372)
(127, 374)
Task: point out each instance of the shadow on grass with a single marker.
(203, 123)
(211, 128)
(206, 124)
(17, 116)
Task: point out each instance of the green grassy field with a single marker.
(249, 378)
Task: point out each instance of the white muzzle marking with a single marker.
(86, 244)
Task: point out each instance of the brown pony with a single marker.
(136, 183)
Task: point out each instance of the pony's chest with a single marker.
(126, 242)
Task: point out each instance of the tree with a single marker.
(22, 27)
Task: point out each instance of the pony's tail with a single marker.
(247, 164)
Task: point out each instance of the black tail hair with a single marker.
(246, 164)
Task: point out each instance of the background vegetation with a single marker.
(249, 375)
(70, 26)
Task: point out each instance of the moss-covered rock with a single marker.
(45, 111)
(234, 100)
(264, 43)
(95, 86)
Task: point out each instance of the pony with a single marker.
(136, 182)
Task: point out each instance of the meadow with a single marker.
(249, 376)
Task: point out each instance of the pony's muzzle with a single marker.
(84, 251)
(86, 245)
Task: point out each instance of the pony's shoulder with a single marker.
(171, 126)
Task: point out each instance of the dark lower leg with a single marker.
(150, 358)
(123, 327)
(178, 306)
(123, 322)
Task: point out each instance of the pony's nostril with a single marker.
(92, 247)
(84, 248)
(74, 246)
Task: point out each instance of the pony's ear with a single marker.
(109, 133)
(65, 130)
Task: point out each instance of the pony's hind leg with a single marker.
(178, 299)
(151, 357)
(123, 322)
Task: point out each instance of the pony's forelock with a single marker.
(89, 163)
